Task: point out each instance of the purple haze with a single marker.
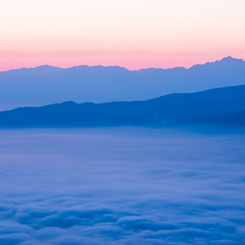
(121, 186)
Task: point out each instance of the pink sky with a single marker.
(130, 60)
(131, 33)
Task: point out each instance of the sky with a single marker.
(131, 33)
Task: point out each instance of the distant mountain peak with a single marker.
(144, 71)
(229, 58)
(44, 66)
(229, 62)
(224, 62)
(47, 67)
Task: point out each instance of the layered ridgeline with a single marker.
(221, 105)
(47, 85)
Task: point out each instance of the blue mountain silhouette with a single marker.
(218, 105)
(47, 85)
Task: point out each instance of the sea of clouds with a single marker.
(121, 186)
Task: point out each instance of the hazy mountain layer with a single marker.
(47, 85)
(211, 106)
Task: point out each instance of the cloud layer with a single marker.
(121, 186)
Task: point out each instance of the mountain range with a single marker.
(48, 85)
(220, 105)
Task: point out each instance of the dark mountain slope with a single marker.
(236, 118)
(177, 106)
(67, 114)
(166, 109)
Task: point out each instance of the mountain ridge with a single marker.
(172, 109)
(227, 58)
(99, 84)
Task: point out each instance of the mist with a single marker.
(121, 186)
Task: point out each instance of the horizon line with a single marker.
(208, 62)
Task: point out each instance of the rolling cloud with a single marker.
(121, 186)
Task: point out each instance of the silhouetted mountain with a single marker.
(236, 118)
(211, 106)
(98, 84)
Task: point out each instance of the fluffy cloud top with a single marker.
(121, 186)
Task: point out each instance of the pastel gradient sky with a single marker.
(131, 33)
